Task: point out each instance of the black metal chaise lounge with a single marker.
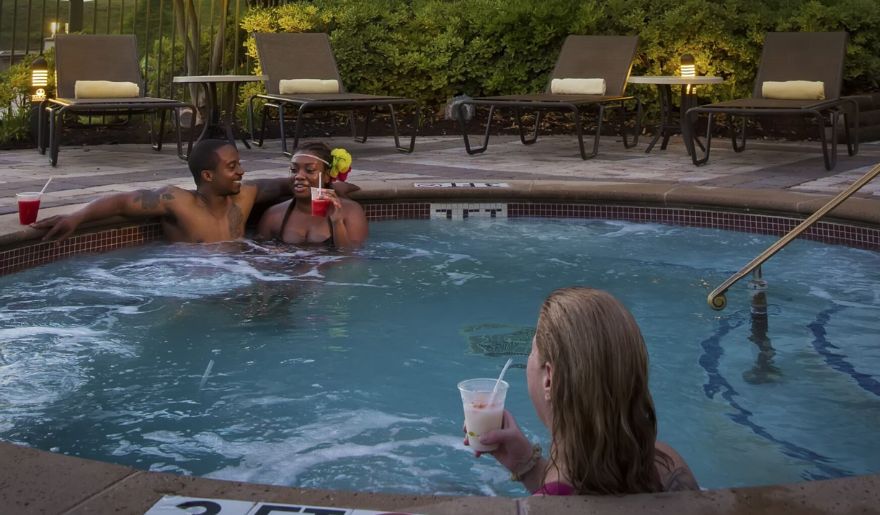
(111, 58)
(792, 56)
(582, 57)
(308, 57)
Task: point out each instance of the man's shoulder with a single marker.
(175, 191)
(174, 195)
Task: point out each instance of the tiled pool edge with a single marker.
(856, 223)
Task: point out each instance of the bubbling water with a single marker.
(304, 367)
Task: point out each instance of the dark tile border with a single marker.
(35, 254)
(823, 231)
(397, 211)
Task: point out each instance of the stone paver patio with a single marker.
(43, 482)
(89, 171)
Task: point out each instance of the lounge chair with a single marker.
(790, 56)
(309, 57)
(107, 58)
(582, 57)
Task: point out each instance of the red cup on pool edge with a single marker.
(28, 206)
(320, 203)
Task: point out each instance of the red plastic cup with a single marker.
(28, 206)
(320, 203)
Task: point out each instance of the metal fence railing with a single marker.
(27, 26)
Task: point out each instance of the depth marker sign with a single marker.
(461, 185)
(177, 505)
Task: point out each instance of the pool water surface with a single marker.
(302, 367)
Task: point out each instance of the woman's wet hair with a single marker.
(604, 423)
(204, 157)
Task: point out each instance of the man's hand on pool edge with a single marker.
(60, 227)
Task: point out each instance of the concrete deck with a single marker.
(86, 172)
(768, 175)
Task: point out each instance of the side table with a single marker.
(668, 126)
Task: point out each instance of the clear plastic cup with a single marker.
(320, 202)
(28, 206)
(481, 416)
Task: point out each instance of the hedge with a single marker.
(431, 50)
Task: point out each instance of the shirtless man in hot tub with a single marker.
(216, 211)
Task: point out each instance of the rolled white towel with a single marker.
(105, 89)
(794, 90)
(577, 86)
(294, 86)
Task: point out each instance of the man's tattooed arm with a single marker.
(150, 200)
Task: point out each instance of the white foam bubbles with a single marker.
(45, 363)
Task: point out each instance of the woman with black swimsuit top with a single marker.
(345, 225)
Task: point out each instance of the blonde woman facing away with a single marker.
(587, 377)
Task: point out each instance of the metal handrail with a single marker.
(717, 300)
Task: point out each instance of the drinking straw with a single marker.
(206, 374)
(46, 185)
(498, 382)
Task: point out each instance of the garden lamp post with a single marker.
(39, 79)
(39, 85)
(688, 69)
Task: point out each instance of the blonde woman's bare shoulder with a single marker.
(675, 475)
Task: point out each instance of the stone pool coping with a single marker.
(856, 210)
(34, 481)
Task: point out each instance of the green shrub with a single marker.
(432, 49)
(15, 101)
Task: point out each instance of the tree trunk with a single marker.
(219, 40)
(187, 23)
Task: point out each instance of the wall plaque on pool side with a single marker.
(461, 185)
(463, 211)
(177, 505)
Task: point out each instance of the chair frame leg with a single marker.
(42, 126)
(54, 134)
(352, 122)
(189, 143)
(462, 112)
(264, 120)
(735, 134)
(368, 114)
(829, 158)
(638, 126)
(578, 126)
(691, 115)
(396, 129)
(250, 122)
(304, 108)
(298, 129)
(852, 135)
(157, 145)
(282, 129)
(823, 117)
(175, 116)
(527, 140)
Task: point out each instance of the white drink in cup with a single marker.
(482, 412)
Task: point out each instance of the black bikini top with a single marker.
(287, 218)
